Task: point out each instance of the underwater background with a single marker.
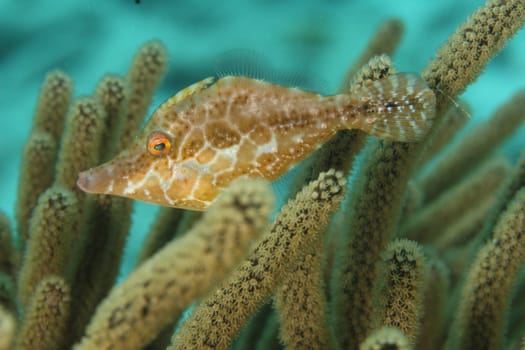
(393, 249)
(87, 38)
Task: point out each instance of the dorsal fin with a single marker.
(245, 63)
(251, 64)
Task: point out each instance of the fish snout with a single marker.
(95, 180)
(84, 181)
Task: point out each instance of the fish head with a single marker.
(149, 171)
(156, 167)
(143, 171)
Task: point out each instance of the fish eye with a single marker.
(159, 144)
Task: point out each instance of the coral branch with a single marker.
(429, 223)
(375, 204)
(147, 69)
(386, 338)
(486, 292)
(45, 320)
(474, 147)
(53, 103)
(36, 176)
(42, 147)
(8, 256)
(401, 288)
(159, 290)
(302, 308)
(113, 93)
(383, 42)
(7, 328)
(297, 228)
(436, 298)
(378, 191)
(81, 144)
(52, 234)
(448, 127)
(466, 53)
(161, 232)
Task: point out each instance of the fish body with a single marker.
(201, 139)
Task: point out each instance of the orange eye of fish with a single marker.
(159, 144)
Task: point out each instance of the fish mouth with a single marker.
(85, 181)
(95, 180)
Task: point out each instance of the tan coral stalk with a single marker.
(374, 204)
(41, 150)
(161, 288)
(400, 292)
(147, 69)
(45, 320)
(386, 338)
(48, 250)
(450, 125)
(7, 328)
(296, 229)
(474, 147)
(36, 175)
(436, 298)
(8, 256)
(112, 93)
(485, 294)
(302, 308)
(432, 220)
(53, 103)
(80, 147)
(161, 232)
(466, 53)
(384, 176)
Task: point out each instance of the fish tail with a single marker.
(400, 107)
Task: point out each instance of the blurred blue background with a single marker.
(89, 38)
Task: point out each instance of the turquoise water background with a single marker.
(89, 38)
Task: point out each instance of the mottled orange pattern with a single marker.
(217, 130)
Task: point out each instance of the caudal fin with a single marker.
(400, 107)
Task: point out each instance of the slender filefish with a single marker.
(219, 129)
